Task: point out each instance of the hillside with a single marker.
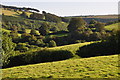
(39, 44)
(112, 26)
(94, 67)
(72, 47)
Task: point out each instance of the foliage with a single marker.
(36, 16)
(40, 43)
(93, 21)
(52, 43)
(52, 17)
(97, 49)
(44, 29)
(99, 26)
(25, 37)
(38, 57)
(33, 32)
(76, 24)
(24, 14)
(7, 48)
(22, 47)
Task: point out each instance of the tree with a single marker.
(15, 37)
(54, 29)
(99, 26)
(76, 24)
(93, 21)
(14, 28)
(95, 36)
(44, 29)
(25, 37)
(36, 16)
(24, 14)
(7, 44)
(7, 48)
(22, 47)
(23, 30)
(51, 17)
(33, 32)
(52, 43)
(40, 43)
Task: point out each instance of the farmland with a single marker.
(94, 67)
(113, 26)
(40, 44)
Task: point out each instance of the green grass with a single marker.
(112, 26)
(94, 67)
(5, 30)
(13, 13)
(71, 47)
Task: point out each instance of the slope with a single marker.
(94, 67)
(112, 26)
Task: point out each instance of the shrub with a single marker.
(22, 47)
(52, 43)
(97, 49)
(44, 55)
(33, 32)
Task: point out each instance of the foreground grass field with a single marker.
(94, 67)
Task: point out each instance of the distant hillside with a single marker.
(113, 26)
(14, 16)
(94, 67)
(98, 16)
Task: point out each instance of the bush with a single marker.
(44, 55)
(22, 47)
(97, 49)
(52, 43)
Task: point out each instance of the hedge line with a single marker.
(41, 56)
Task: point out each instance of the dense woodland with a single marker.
(49, 30)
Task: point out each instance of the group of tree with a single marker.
(19, 9)
(51, 17)
(37, 16)
(80, 30)
(32, 38)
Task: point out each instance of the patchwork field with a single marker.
(94, 67)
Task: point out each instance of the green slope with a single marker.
(72, 47)
(113, 26)
(94, 67)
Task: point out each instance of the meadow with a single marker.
(94, 67)
(36, 48)
(112, 26)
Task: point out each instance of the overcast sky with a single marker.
(69, 7)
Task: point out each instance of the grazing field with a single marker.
(94, 67)
(72, 47)
(9, 13)
(13, 13)
(113, 26)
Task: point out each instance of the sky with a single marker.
(69, 7)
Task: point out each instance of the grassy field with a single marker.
(94, 67)
(113, 26)
(72, 47)
(13, 13)
(9, 13)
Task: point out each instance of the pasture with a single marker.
(94, 67)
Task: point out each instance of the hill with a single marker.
(112, 26)
(72, 47)
(94, 67)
